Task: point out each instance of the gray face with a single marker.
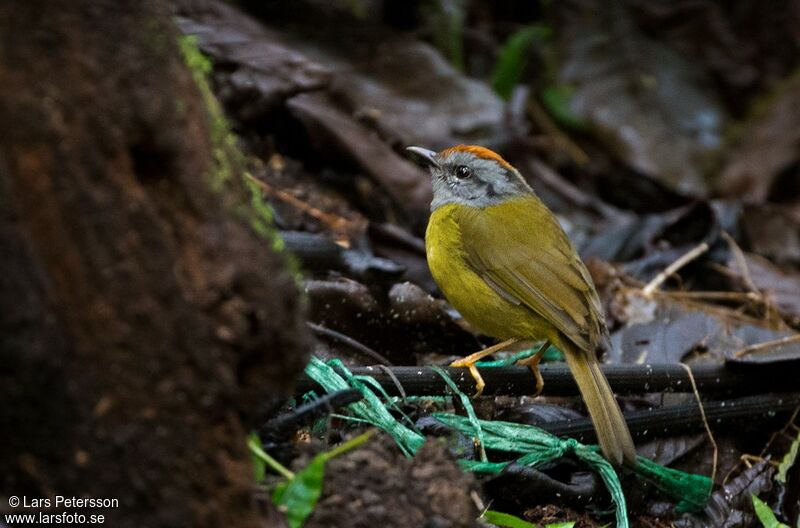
(464, 178)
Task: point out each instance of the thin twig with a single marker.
(394, 379)
(398, 236)
(705, 421)
(741, 263)
(349, 341)
(659, 279)
(783, 432)
(746, 458)
(719, 295)
(335, 223)
(768, 345)
(732, 316)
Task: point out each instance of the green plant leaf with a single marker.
(788, 460)
(765, 514)
(514, 56)
(297, 496)
(510, 521)
(506, 520)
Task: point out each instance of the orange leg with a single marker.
(471, 359)
(533, 363)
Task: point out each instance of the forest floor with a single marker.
(661, 140)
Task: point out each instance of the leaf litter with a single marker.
(681, 139)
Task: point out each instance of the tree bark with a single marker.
(140, 316)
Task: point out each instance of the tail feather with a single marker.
(612, 431)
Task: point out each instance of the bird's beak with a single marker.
(428, 155)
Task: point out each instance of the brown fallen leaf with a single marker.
(256, 71)
(414, 96)
(732, 506)
(780, 288)
(650, 106)
(669, 327)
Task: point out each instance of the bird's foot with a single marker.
(533, 364)
(470, 360)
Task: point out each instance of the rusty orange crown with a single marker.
(481, 152)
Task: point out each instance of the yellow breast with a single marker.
(475, 300)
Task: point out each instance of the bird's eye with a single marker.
(463, 172)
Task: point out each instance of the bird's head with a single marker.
(471, 175)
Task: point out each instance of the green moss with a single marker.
(198, 63)
(228, 161)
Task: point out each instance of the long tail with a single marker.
(612, 431)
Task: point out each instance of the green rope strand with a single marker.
(535, 445)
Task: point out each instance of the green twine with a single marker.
(431, 399)
(539, 447)
(473, 418)
(391, 402)
(551, 354)
(371, 409)
(691, 490)
(536, 445)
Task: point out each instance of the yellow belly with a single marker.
(475, 300)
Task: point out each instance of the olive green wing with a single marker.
(522, 252)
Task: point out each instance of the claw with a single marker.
(533, 364)
(469, 362)
(479, 383)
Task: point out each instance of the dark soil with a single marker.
(141, 320)
(376, 486)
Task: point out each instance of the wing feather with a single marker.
(538, 269)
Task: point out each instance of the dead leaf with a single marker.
(780, 288)
(665, 330)
(731, 506)
(667, 450)
(255, 70)
(417, 97)
(666, 334)
(650, 106)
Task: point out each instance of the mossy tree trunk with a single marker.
(142, 316)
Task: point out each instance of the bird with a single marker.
(504, 262)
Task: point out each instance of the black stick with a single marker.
(732, 379)
(684, 419)
(308, 412)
